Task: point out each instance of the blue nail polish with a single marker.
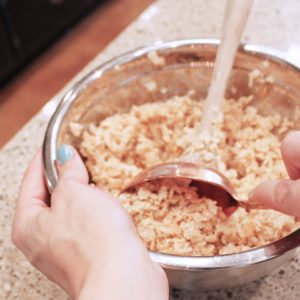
(64, 153)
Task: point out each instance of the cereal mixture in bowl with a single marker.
(173, 218)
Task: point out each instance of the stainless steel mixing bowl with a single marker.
(156, 73)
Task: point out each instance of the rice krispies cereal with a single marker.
(169, 216)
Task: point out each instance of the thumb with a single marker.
(70, 165)
(281, 195)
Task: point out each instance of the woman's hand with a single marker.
(84, 241)
(283, 195)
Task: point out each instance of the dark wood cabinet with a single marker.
(30, 25)
(6, 52)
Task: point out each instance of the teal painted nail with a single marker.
(64, 153)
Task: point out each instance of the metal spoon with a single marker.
(209, 182)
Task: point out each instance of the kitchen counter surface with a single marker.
(273, 23)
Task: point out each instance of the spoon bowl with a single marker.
(209, 183)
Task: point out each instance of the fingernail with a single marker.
(64, 153)
(252, 203)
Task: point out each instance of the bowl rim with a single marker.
(169, 261)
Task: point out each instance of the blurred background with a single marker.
(44, 43)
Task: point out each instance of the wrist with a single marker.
(125, 276)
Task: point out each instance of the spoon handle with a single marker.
(236, 15)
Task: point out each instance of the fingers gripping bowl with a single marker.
(170, 78)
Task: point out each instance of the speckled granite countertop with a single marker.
(273, 23)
